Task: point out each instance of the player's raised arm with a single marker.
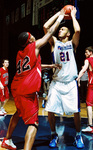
(76, 36)
(50, 22)
(50, 32)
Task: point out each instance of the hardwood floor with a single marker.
(63, 126)
(10, 108)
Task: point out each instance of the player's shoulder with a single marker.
(89, 58)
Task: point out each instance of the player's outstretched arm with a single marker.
(59, 66)
(50, 22)
(76, 27)
(41, 42)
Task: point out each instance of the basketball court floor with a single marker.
(64, 126)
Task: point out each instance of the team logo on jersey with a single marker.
(65, 47)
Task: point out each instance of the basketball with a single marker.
(67, 10)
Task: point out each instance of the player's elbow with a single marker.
(45, 28)
(77, 31)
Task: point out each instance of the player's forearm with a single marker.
(55, 26)
(41, 42)
(45, 66)
(85, 67)
(75, 24)
(80, 74)
(48, 24)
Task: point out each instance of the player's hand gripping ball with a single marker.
(67, 10)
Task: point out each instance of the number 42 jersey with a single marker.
(27, 79)
(64, 55)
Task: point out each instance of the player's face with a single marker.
(87, 53)
(6, 64)
(63, 32)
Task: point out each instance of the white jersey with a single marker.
(64, 55)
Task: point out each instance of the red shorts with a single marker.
(89, 98)
(4, 94)
(27, 107)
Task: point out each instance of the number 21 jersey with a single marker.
(64, 55)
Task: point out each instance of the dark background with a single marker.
(10, 32)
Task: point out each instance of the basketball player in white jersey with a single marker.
(63, 92)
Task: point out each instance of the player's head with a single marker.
(89, 51)
(25, 38)
(64, 32)
(5, 63)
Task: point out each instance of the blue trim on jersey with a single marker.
(53, 60)
(78, 97)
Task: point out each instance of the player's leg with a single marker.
(5, 99)
(7, 142)
(51, 119)
(53, 106)
(89, 129)
(77, 122)
(89, 113)
(30, 137)
(54, 135)
(78, 139)
(1, 113)
(13, 123)
(30, 117)
(89, 102)
(2, 99)
(2, 107)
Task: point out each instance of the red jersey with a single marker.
(27, 79)
(4, 76)
(90, 73)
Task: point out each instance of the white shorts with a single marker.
(63, 97)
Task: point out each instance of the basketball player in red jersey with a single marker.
(26, 84)
(4, 92)
(88, 66)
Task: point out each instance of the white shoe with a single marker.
(3, 110)
(8, 144)
(88, 129)
(1, 113)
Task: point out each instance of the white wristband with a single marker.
(60, 18)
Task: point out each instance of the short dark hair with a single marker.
(90, 48)
(23, 39)
(4, 60)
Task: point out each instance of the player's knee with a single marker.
(34, 125)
